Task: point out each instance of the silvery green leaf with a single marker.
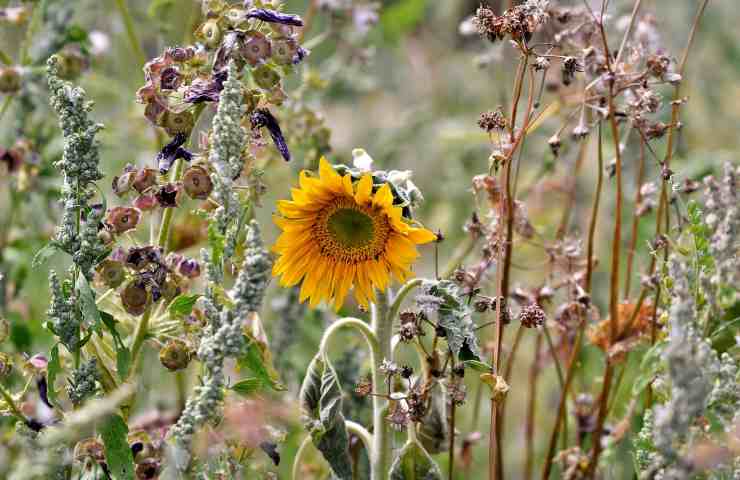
(414, 463)
(433, 429)
(444, 299)
(321, 411)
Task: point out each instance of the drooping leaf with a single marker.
(434, 427)
(182, 305)
(258, 360)
(44, 254)
(649, 367)
(117, 451)
(248, 386)
(53, 369)
(321, 413)
(89, 308)
(414, 463)
(479, 366)
(123, 354)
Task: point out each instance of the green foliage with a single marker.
(414, 463)
(118, 454)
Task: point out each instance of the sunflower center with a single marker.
(351, 233)
(352, 228)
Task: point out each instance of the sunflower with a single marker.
(338, 234)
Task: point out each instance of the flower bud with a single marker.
(135, 297)
(169, 195)
(174, 122)
(4, 329)
(175, 355)
(111, 273)
(145, 203)
(122, 184)
(211, 34)
(122, 219)
(10, 80)
(189, 268)
(255, 48)
(145, 179)
(197, 182)
(6, 365)
(266, 77)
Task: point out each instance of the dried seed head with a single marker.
(189, 268)
(145, 179)
(10, 80)
(364, 387)
(406, 371)
(175, 355)
(122, 219)
(135, 297)
(145, 203)
(570, 66)
(398, 417)
(266, 77)
(254, 48)
(169, 195)
(210, 33)
(532, 316)
(492, 120)
(122, 184)
(177, 122)
(89, 448)
(110, 273)
(197, 182)
(541, 63)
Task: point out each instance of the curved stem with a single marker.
(130, 31)
(364, 328)
(365, 436)
(299, 456)
(401, 295)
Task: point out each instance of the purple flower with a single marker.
(275, 17)
(171, 152)
(263, 118)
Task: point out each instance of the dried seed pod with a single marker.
(210, 33)
(148, 469)
(89, 448)
(169, 195)
(175, 355)
(122, 184)
(145, 179)
(170, 78)
(10, 80)
(197, 182)
(177, 122)
(532, 316)
(266, 77)
(235, 17)
(111, 273)
(285, 51)
(254, 48)
(145, 202)
(122, 219)
(135, 297)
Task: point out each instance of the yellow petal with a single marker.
(364, 189)
(383, 197)
(329, 176)
(421, 235)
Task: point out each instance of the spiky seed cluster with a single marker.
(79, 163)
(227, 143)
(82, 383)
(63, 315)
(532, 316)
(254, 277)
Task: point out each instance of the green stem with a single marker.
(5, 58)
(360, 431)
(11, 404)
(382, 324)
(164, 231)
(401, 295)
(128, 23)
(299, 456)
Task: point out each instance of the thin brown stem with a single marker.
(635, 219)
(534, 371)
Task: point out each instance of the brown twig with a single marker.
(635, 219)
(529, 426)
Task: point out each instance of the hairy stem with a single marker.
(382, 325)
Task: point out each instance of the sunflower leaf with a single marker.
(414, 463)
(321, 413)
(444, 299)
(117, 451)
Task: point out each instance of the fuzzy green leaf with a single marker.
(248, 386)
(123, 354)
(414, 463)
(117, 450)
(321, 413)
(444, 298)
(43, 255)
(89, 308)
(182, 305)
(258, 361)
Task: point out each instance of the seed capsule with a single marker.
(174, 123)
(189, 268)
(123, 219)
(255, 48)
(266, 77)
(169, 195)
(135, 298)
(145, 202)
(211, 33)
(122, 184)
(175, 355)
(197, 182)
(10, 80)
(284, 51)
(89, 448)
(111, 273)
